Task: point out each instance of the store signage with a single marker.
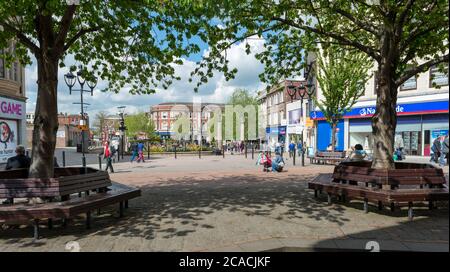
(281, 130)
(295, 129)
(309, 123)
(10, 108)
(401, 109)
(8, 139)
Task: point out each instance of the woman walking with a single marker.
(107, 155)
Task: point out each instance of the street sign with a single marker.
(309, 123)
(83, 127)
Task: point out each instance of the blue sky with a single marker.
(216, 90)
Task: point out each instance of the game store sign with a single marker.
(12, 109)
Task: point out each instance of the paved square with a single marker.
(216, 204)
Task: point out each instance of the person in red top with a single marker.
(107, 155)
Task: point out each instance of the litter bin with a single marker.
(79, 148)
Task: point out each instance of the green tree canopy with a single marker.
(342, 75)
(242, 97)
(403, 38)
(139, 123)
(132, 44)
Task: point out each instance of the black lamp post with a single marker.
(302, 90)
(70, 80)
(122, 127)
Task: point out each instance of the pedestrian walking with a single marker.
(107, 155)
(399, 145)
(300, 149)
(134, 152)
(444, 152)
(436, 149)
(140, 148)
(291, 149)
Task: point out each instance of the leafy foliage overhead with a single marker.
(405, 33)
(342, 75)
(132, 44)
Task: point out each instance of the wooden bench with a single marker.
(68, 193)
(325, 157)
(394, 189)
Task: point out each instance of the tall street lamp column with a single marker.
(122, 128)
(70, 80)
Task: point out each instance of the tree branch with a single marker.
(368, 50)
(402, 16)
(22, 38)
(78, 35)
(363, 25)
(416, 33)
(421, 68)
(64, 27)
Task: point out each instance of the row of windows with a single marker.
(275, 98)
(165, 115)
(13, 73)
(436, 79)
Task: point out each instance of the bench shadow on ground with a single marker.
(429, 233)
(186, 201)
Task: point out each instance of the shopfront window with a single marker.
(438, 77)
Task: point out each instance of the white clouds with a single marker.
(216, 90)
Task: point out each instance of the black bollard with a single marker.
(303, 157)
(253, 152)
(245, 151)
(200, 153)
(64, 158)
(99, 162)
(148, 150)
(83, 163)
(175, 152)
(293, 157)
(118, 154)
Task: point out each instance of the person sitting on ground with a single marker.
(359, 154)
(277, 163)
(19, 161)
(266, 161)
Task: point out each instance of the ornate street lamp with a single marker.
(70, 80)
(302, 90)
(122, 127)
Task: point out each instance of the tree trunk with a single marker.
(46, 119)
(384, 121)
(333, 135)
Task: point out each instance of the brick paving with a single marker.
(216, 204)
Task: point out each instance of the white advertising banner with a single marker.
(8, 139)
(295, 129)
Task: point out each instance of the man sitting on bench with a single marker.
(19, 161)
